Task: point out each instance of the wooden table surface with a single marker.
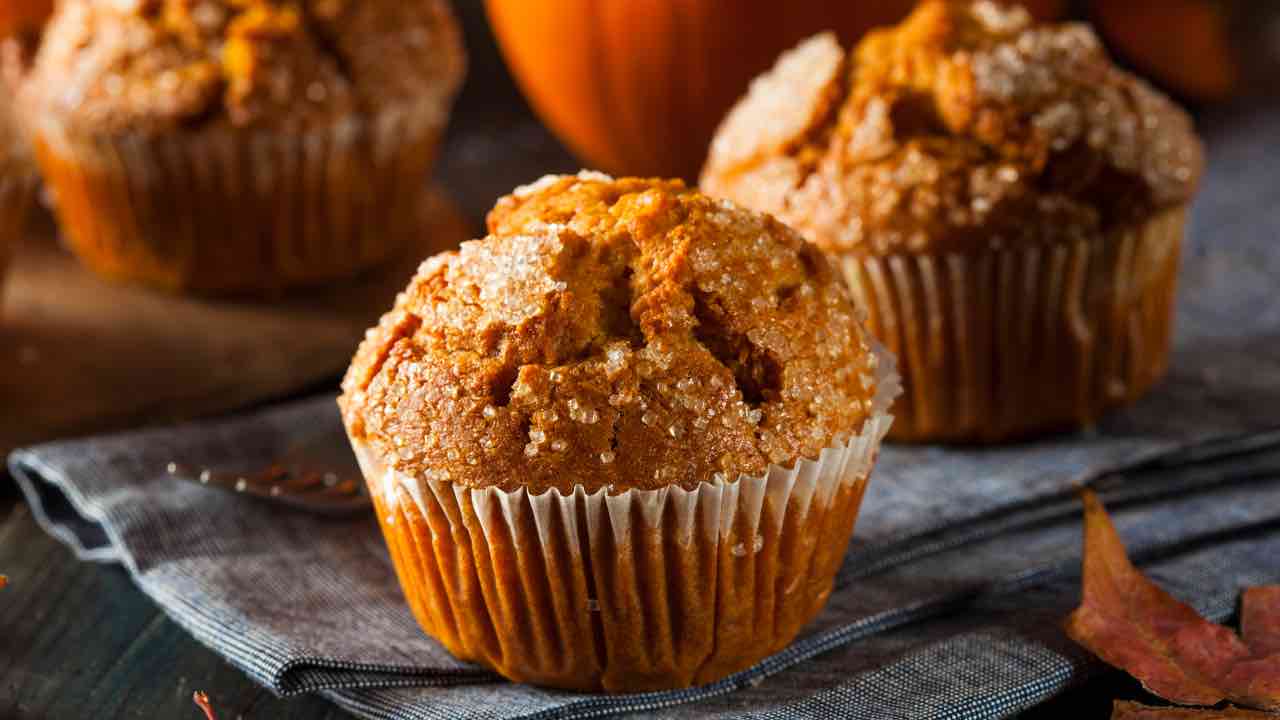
(80, 641)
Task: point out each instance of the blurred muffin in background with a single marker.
(17, 185)
(17, 172)
(1007, 205)
(240, 145)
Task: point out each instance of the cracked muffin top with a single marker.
(613, 334)
(965, 125)
(11, 144)
(151, 65)
(19, 24)
(14, 149)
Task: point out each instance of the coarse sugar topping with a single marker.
(153, 64)
(959, 126)
(614, 334)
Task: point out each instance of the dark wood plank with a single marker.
(81, 641)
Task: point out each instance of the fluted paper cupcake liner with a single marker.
(17, 193)
(221, 209)
(634, 591)
(1012, 342)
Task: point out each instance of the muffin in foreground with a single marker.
(1006, 204)
(620, 443)
(240, 145)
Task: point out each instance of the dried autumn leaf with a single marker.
(4, 581)
(1131, 623)
(1123, 710)
(202, 701)
(1257, 680)
(1260, 620)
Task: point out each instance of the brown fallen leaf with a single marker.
(1123, 710)
(1130, 622)
(202, 701)
(1259, 677)
(1256, 681)
(1260, 619)
(4, 581)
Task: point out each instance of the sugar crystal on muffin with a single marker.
(261, 145)
(950, 130)
(615, 332)
(1006, 204)
(633, 424)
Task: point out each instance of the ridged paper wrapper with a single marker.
(221, 209)
(632, 591)
(1002, 344)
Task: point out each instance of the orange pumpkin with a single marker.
(1185, 44)
(637, 87)
(21, 15)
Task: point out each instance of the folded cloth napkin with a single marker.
(948, 602)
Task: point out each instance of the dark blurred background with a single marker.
(495, 143)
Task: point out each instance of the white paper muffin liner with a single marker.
(223, 209)
(1005, 343)
(639, 590)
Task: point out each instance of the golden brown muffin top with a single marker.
(961, 125)
(613, 334)
(13, 143)
(11, 146)
(151, 65)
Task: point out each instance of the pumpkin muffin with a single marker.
(1006, 204)
(620, 443)
(240, 145)
(17, 174)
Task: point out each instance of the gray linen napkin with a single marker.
(948, 602)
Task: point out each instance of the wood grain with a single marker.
(81, 641)
(79, 354)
